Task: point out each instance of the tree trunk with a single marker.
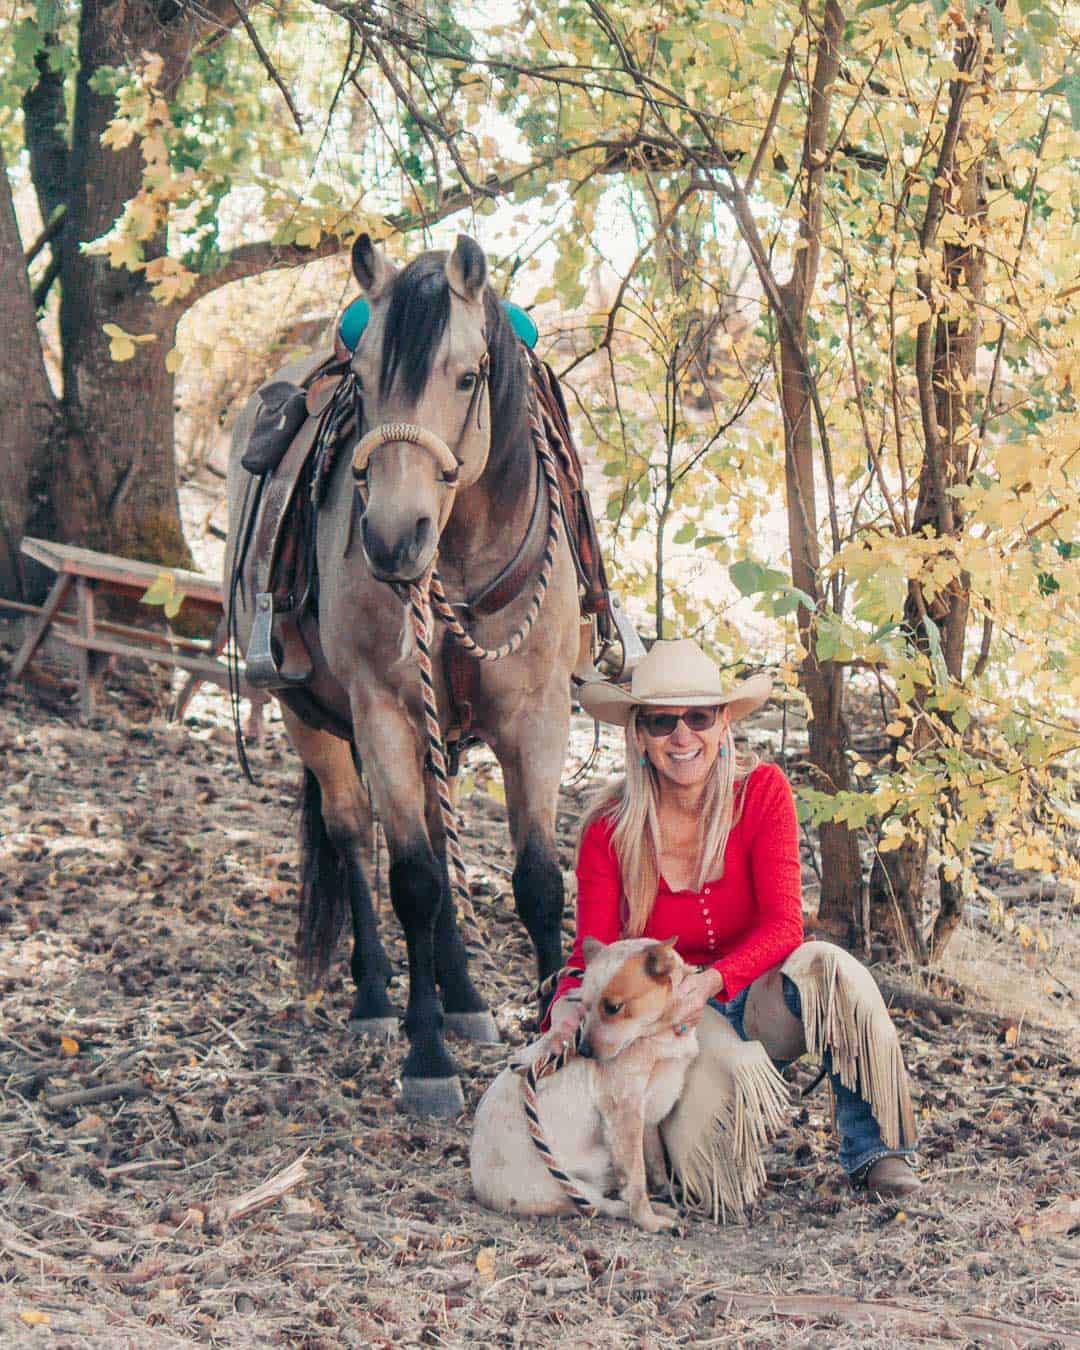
(822, 681)
(115, 488)
(29, 408)
(945, 369)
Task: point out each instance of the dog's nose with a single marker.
(585, 1049)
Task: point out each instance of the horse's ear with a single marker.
(590, 947)
(371, 267)
(466, 268)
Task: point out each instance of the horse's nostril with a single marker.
(424, 530)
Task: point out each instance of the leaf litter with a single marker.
(193, 1154)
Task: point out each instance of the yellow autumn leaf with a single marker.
(309, 236)
(118, 134)
(896, 729)
(172, 360)
(122, 345)
(34, 1317)
(485, 1264)
(69, 1045)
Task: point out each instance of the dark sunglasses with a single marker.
(657, 724)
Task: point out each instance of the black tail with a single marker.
(323, 890)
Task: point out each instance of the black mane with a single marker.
(415, 323)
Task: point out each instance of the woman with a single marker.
(700, 843)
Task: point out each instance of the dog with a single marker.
(600, 1112)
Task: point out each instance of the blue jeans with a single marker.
(860, 1138)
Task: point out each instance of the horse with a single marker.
(443, 412)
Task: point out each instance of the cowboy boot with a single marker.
(888, 1178)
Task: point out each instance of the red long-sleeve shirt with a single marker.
(744, 923)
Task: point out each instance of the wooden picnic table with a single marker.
(97, 641)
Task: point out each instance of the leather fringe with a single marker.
(843, 1012)
(733, 1104)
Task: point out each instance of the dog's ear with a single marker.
(661, 960)
(590, 948)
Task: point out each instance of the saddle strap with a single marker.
(510, 582)
(577, 511)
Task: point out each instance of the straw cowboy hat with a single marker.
(673, 675)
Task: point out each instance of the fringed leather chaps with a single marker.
(733, 1103)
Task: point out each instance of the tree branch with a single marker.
(44, 121)
(268, 65)
(47, 235)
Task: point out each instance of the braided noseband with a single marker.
(412, 434)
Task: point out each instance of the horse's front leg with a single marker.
(465, 1012)
(392, 753)
(531, 751)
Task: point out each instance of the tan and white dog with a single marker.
(599, 1113)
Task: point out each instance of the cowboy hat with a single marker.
(673, 674)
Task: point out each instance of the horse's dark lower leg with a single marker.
(429, 1075)
(538, 896)
(466, 1012)
(331, 879)
(372, 1012)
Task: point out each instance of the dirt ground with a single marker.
(147, 908)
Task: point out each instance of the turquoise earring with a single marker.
(723, 752)
(643, 761)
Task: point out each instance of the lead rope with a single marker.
(427, 596)
(531, 1076)
(420, 614)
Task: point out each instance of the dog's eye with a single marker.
(611, 1008)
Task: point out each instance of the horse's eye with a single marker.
(611, 1008)
(467, 381)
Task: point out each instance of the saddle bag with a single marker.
(282, 410)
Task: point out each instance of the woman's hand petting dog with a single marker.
(692, 995)
(566, 1017)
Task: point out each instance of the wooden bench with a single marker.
(96, 641)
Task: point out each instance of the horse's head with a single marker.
(423, 369)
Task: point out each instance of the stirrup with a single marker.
(280, 663)
(633, 649)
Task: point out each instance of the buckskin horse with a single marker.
(444, 472)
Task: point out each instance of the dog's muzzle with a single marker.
(585, 1049)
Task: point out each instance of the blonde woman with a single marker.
(700, 843)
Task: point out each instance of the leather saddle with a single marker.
(276, 564)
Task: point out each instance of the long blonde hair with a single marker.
(632, 802)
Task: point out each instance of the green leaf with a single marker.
(160, 591)
(686, 533)
(747, 576)
(1069, 85)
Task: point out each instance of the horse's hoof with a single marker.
(473, 1026)
(377, 1027)
(432, 1096)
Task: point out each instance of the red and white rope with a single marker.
(441, 605)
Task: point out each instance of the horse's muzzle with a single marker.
(403, 558)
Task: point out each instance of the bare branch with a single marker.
(271, 69)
